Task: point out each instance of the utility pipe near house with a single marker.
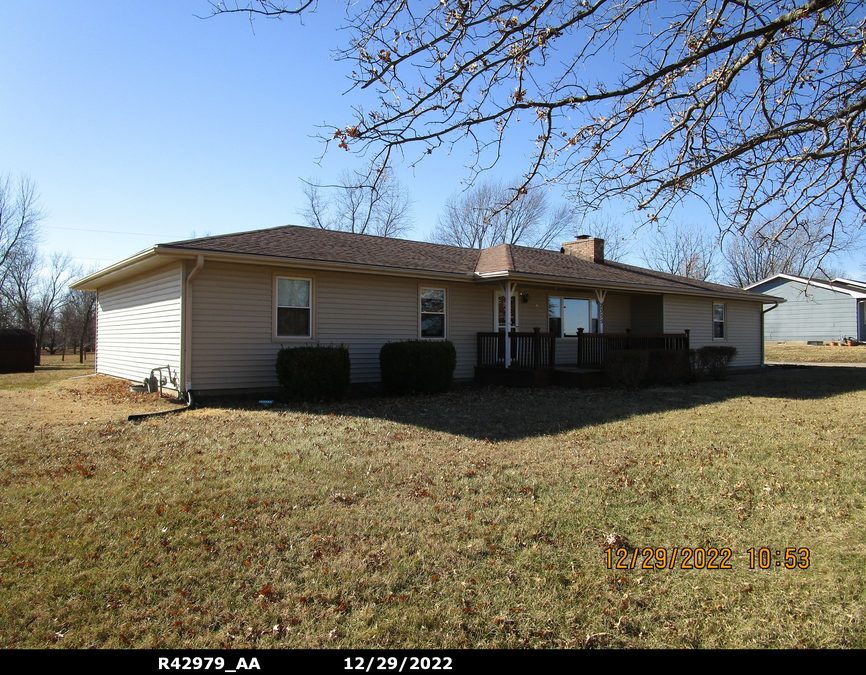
(187, 332)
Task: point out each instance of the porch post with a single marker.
(580, 347)
(507, 290)
(600, 295)
(536, 348)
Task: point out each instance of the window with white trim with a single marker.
(719, 321)
(294, 307)
(432, 305)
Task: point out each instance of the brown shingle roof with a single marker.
(540, 262)
(328, 246)
(343, 248)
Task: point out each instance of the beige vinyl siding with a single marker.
(617, 313)
(647, 314)
(471, 312)
(533, 313)
(139, 324)
(233, 344)
(742, 325)
(232, 327)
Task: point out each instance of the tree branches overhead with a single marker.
(756, 106)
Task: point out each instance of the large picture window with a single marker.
(433, 313)
(566, 315)
(718, 321)
(294, 307)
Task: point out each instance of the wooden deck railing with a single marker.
(538, 350)
(592, 347)
(528, 350)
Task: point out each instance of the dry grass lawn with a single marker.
(54, 368)
(813, 354)
(476, 519)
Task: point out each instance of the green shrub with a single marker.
(626, 367)
(314, 373)
(716, 360)
(667, 366)
(417, 366)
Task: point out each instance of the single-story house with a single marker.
(814, 310)
(214, 311)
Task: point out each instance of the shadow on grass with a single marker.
(504, 413)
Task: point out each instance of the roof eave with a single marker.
(107, 275)
(827, 285)
(621, 286)
(331, 266)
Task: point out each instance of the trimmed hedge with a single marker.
(630, 367)
(716, 360)
(314, 374)
(417, 366)
(668, 366)
(626, 367)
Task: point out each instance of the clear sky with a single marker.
(141, 123)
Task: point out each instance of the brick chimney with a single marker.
(586, 248)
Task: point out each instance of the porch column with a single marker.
(507, 291)
(600, 295)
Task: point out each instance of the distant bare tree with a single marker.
(769, 248)
(488, 215)
(382, 208)
(681, 250)
(78, 321)
(617, 245)
(35, 291)
(20, 215)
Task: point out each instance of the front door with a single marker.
(500, 312)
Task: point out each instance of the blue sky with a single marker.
(141, 123)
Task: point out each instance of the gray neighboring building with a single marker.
(814, 310)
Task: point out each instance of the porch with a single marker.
(532, 357)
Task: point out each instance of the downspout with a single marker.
(764, 311)
(186, 376)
